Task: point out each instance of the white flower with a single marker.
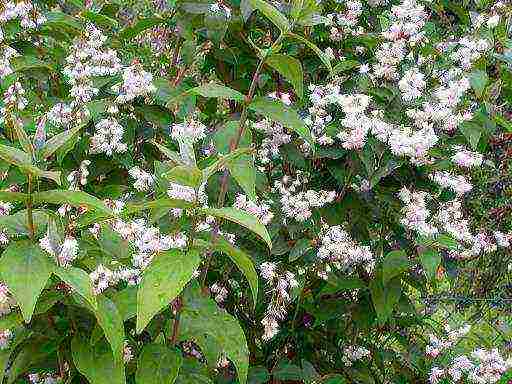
(108, 138)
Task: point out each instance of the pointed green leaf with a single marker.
(163, 281)
(430, 260)
(25, 268)
(276, 17)
(345, 65)
(278, 112)
(95, 362)
(79, 280)
(57, 141)
(157, 204)
(74, 198)
(16, 224)
(321, 55)
(290, 68)
(201, 316)
(111, 322)
(158, 364)
(219, 91)
(384, 297)
(171, 155)
(185, 175)
(140, 26)
(242, 218)
(243, 262)
(394, 264)
(23, 138)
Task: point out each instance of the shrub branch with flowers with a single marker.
(249, 191)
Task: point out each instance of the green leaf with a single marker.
(448, 242)
(185, 175)
(276, 17)
(472, 132)
(278, 112)
(126, 302)
(384, 297)
(243, 171)
(19, 158)
(16, 224)
(430, 260)
(110, 320)
(13, 196)
(95, 362)
(193, 378)
(99, 19)
(79, 280)
(338, 284)
(345, 65)
(242, 218)
(258, 375)
(290, 68)
(158, 364)
(201, 317)
(57, 141)
(217, 91)
(478, 80)
(163, 281)
(25, 268)
(171, 155)
(321, 55)
(394, 264)
(242, 261)
(223, 161)
(130, 32)
(74, 198)
(299, 248)
(23, 138)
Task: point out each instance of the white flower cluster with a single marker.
(190, 130)
(262, 211)
(44, 378)
(5, 208)
(449, 219)
(147, 240)
(127, 352)
(15, 96)
(143, 180)
(86, 60)
(338, 248)
(25, 10)
(6, 54)
(465, 158)
(415, 212)
(64, 253)
(438, 345)
(457, 183)
(136, 82)
(407, 20)
(108, 137)
(482, 367)
(61, 115)
(353, 353)
(5, 338)
(275, 137)
(347, 21)
(79, 177)
(297, 204)
(221, 292)
(412, 84)
(280, 286)
(7, 301)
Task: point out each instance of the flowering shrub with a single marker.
(255, 192)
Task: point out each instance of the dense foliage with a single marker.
(255, 192)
